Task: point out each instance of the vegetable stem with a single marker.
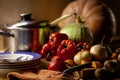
(56, 21)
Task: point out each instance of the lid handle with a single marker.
(26, 17)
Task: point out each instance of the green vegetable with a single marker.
(43, 35)
(77, 32)
(44, 32)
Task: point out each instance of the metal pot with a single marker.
(19, 35)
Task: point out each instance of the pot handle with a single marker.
(7, 34)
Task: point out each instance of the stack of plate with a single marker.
(18, 61)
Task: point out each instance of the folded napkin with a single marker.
(42, 74)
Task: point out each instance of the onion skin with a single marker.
(81, 56)
(99, 52)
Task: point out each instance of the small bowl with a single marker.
(18, 61)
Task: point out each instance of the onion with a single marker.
(82, 55)
(99, 52)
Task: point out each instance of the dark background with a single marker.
(114, 5)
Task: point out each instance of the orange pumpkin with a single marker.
(95, 15)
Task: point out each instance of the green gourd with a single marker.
(77, 32)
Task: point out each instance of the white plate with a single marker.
(8, 57)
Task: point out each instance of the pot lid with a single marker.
(24, 24)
